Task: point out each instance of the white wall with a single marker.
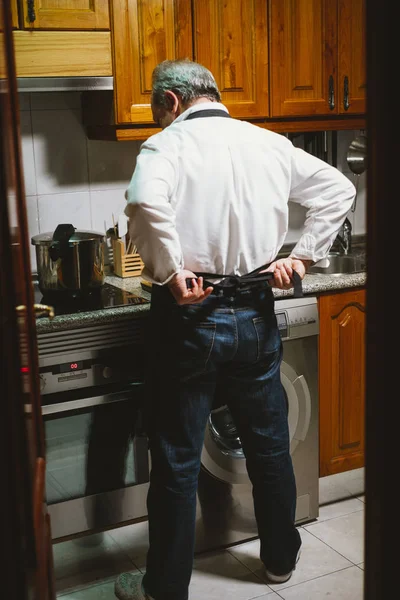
(70, 179)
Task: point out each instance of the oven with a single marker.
(97, 467)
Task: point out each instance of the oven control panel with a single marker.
(109, 352)
(79, 372)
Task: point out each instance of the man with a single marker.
(209, 195)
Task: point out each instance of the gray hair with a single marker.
(186, 79)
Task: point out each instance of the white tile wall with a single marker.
(69, 178)
(72, 207)
(28, 157)
(60, 151)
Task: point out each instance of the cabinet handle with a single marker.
(346, 103)
(31, 11)
(331, 93)
(40, 310)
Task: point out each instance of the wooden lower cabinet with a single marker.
(342, 381)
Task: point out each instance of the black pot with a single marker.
(69, 261)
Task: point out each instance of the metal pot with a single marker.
(69, 261)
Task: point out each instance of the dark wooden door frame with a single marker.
(27, 567)
(381, 439)
(382, 449)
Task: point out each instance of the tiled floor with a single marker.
(331, 563)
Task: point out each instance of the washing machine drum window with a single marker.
(224, 433)
(223, 455)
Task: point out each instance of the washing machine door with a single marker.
(222, 454)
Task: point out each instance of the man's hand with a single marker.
(181, 293)
(283, 269)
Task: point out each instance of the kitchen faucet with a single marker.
(343, 238)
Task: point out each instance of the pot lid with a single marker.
(76, 237)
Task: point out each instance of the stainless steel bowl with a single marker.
(357, 161)
(357, 155)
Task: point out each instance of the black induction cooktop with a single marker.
(107, 296)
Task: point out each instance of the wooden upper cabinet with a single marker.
(301, 40)
(230, 39)
(271, 59)
(314, 45)
(14, 13)
(145, 32)
(352, 88)
(65, 14)
(342, 381)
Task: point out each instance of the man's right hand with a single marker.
(184, 295)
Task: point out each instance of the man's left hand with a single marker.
(283, 270)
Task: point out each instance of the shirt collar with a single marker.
(200, 106)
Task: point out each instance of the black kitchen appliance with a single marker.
(106, 296)
(92, 392)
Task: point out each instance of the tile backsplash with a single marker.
(69, 178)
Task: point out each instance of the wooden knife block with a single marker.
(125, 265)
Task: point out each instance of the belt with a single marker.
(230, 285)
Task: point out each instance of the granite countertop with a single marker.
(313, 284)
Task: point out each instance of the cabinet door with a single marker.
(342, 381)
(144, 34)
(14, 13)
(303, 55)
(352, 87)
(231, 39)
(66, 14)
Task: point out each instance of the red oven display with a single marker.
(73, 366)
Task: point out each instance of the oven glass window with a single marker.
(94, 450)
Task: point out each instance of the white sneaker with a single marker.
(129, 586)
(281, 578)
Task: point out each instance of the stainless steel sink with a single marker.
(339, 264)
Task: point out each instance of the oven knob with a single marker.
(42, 382)
(107, 372)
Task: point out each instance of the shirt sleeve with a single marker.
(327, 195)
(151, 216)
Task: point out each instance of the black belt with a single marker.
(230, 285)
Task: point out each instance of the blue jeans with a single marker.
(235, 344)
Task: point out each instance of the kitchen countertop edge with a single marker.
(313, 285)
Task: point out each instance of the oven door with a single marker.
(97, 458)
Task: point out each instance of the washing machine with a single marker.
(225, 512)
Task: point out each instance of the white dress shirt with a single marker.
(211, 194)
